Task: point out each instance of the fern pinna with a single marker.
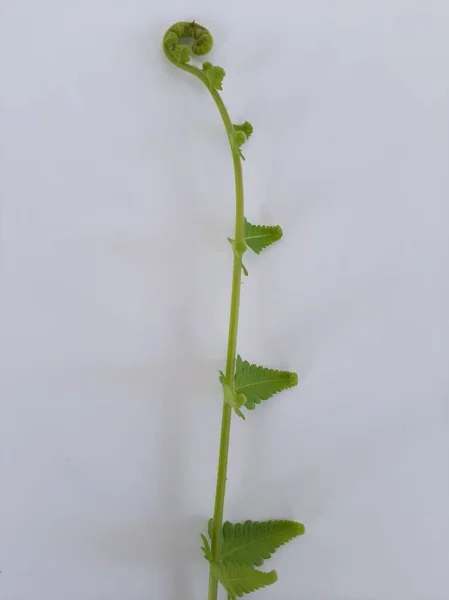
(234, 550)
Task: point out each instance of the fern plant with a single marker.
(233, 551)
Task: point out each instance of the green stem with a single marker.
(231, 353)
(188, 29)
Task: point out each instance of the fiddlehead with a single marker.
(184, 39)
(201, 41)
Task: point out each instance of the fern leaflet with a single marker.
(206, 548)
(241, 579)
(260, 383)
(253, 542)
(258, 237)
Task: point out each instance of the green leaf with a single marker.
(246, 127)
(258, 237)
(239, 137)
(240, 579)
(252, 542)
(206, 548)
(215, 75)
(260, 383)
(232, 398)
(241, 134)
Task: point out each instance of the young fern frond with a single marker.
(234, 549)
(246, 127)
(201, 37)
(215, 75)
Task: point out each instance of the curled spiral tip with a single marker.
(201, 41)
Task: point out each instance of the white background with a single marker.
(116, 201)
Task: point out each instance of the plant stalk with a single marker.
(233, 327)
(231, 352)
(197, 32)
